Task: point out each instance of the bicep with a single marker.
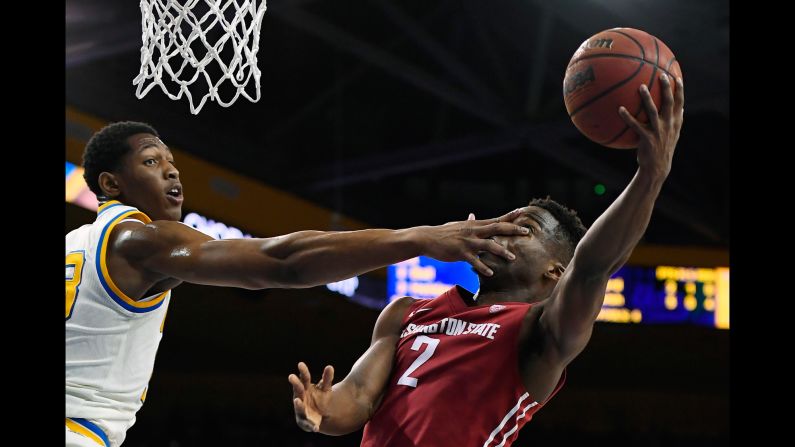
(369, 376)
(175, 250)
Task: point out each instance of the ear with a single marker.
(554, 271)
(109, 184)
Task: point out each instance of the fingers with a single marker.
(303, 372)
(511, 216)
(301, 418)
(478, 265)
(493, 247)
(328, 378)
(298, 407)
(667, 106)
(648, 104)
(298, 387)
(501, 229)
(507, 217)
(679, 97)
(632, 122)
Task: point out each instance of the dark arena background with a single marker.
(379, 113)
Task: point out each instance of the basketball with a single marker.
(606, 72)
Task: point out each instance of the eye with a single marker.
(150, 162)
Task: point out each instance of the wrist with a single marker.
(414, 239)
(655, 175)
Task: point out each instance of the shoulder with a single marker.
(391, 318)
(399, 307)
(133, 238)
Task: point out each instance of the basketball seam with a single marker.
(669, 65)
(626, 56)
(604, 93)
(601, 95)
(642, 51)
(650, 86)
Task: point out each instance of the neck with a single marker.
(104, 199)
(489, 294)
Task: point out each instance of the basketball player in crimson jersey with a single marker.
(464, 370)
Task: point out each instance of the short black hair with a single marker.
(106, 148)
(570, 228)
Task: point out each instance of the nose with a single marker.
(172, 172)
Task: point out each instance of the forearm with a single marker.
(313, 258)
(579, 296)
(577, 299)
(348, 411)
(609, 242)
(348, 405)
(301, 259)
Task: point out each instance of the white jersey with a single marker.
(111, 340)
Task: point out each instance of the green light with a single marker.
(599, 189)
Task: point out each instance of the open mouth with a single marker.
(175, 191)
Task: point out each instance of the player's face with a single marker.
(149, 180)
(533, 254)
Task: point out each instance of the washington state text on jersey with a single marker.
(452, 327)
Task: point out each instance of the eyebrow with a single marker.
(149, 142)
(147, 145)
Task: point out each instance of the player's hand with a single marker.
(658, 138)
(310, 401)
(463, 241)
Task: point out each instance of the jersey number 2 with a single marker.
(424, 356)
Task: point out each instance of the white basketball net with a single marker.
(186, 44)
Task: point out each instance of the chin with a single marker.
(175, 215)
(498, 271)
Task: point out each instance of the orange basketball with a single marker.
(605, 73)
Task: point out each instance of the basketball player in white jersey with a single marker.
(120, 271)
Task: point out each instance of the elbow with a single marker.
(285, 267)
(279, 268)
(594, 267)
(268, 275)
(295, 276)
(287, 274)
(588, 272)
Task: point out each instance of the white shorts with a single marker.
(82, 433)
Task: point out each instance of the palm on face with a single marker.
(456, 241)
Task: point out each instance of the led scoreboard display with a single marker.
(652, 295)
(667, 294)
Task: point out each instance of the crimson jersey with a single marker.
(455, 380)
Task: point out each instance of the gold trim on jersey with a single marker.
(107, 282)
(79, 429)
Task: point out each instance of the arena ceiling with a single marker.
(415, 112)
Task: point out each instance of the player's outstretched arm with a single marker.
(606, 246)
(165, 249)
(345, 407)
